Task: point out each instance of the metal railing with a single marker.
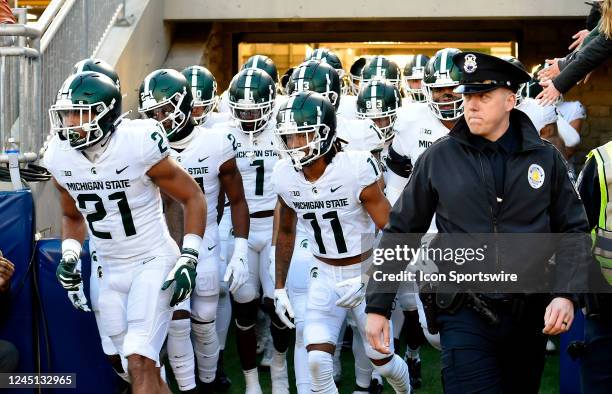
(20, 97)
(71, 31)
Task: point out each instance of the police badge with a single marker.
(469, 65)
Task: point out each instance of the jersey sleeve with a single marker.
(228, 148)
(277, 174)
(154, 145)
(369, 171)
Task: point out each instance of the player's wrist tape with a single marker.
(71, 248)
(191, 244)
(241, 247)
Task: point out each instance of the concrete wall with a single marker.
(367, 9)
(137, 49)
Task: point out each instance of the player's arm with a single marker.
(285, 241)
(174, 218)
(178, 184)
(400, 169)
(377, 205)
(231, 182)
(73, 223)
(74, 231)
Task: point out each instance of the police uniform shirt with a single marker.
(497, 154)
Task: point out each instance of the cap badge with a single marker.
(469, 65)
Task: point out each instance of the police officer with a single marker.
(491, 174)
(594, 187)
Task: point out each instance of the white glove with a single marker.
(283, 308)
(78, 299)
(353, 292)
(238, 267)
(272, 264)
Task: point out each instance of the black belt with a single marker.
(262, 214)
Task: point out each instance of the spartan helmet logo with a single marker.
(469, 65)
(314, 272)
(93, 170)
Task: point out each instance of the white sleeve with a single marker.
(155, 146)
(395, 186)
(227, 149)
(368, 171)
(570, 136)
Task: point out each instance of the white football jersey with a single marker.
(120, 203)
(347, 107)
(571, 110)
(416, 130)
(360, 134)
(384, 154)
(256, 164)
(329, 209)
(208, 150)
(215, 118)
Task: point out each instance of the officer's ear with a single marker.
(510, 101)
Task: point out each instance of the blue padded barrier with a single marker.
(74, 341)
(16, 232)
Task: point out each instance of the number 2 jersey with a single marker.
(329, 209)
(202, 158)
(120, 203)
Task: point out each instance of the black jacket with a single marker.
(578, 64)
(452, 179)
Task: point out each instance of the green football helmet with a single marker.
(262, 62)
(87, 102)
(316, 76)
(309, 114)
(165, 96)
(328, 56)
(441, 72)
(380, 99)
(204, 91)
(99, 66)
(519, 64)
(355, 74)
(251, 98)
(381, 67)
(414, 70)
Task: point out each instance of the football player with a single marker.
(414, 72)
(251, 97)
(109, 172)
(260, 62)
(380, 101)
(357, 135)
(355, 75)
(208, 156)
(205, 99)
(337, 198)
(422, 124)
(118, 363)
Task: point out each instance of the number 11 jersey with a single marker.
(329, 208)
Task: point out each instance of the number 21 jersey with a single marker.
(120, 203)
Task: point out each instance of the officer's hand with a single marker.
(377, 332)
(559, 316)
